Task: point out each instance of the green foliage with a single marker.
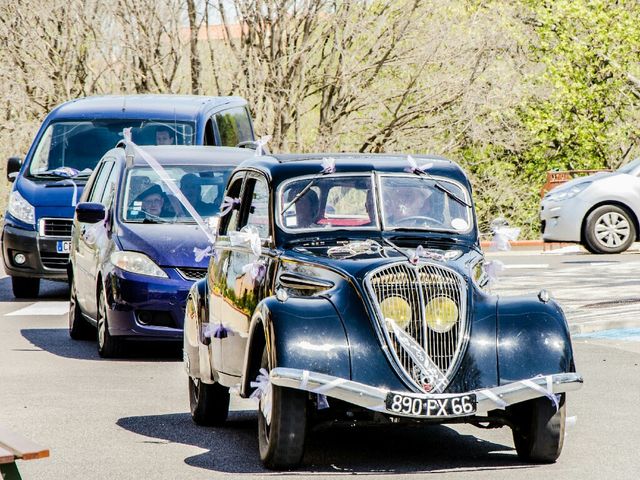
(583, 118)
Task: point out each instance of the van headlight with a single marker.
(136, 262)
(21, 209)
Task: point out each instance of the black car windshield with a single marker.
(405, 201)
(148, 199)
(419, 202)
(74, 147)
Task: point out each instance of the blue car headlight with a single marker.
(136, 262)
(566, 193)
(21, 209)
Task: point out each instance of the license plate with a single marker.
(63, 246)
(454, 406)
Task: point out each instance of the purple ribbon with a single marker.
(229, 204)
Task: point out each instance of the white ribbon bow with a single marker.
(263, 393)
(260, 143)
(247, 235)
(328, 165)
(201, 253)
(414, 168)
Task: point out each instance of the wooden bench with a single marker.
(15, 447)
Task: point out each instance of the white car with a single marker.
(600, 211)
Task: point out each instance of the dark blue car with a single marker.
(141, 238)
(71, 140)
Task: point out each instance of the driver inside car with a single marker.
(402, 204)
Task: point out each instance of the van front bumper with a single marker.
(42, 258)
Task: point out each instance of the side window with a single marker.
(234, 127)
(209, 136)
(100, 182)
(110, 187)
(230, 221)
(257, 195)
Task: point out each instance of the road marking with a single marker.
(42, 308)
(528, 265)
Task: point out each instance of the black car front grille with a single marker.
(192, 273)
(55, 261)
(56, 227)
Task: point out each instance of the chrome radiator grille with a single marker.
(418, 285)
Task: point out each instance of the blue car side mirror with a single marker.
(90, 212)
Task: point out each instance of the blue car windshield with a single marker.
(73, 148)
(148, 199)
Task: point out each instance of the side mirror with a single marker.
(90, 212)
(13, 167)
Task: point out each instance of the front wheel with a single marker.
(79, 329)
(609, 229)
(538, 431)
(282, 424)
(108, 346)
(209, 402)
(25, 287)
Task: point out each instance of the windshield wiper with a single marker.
(299, 195)
(442, 188)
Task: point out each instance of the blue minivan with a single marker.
(36, 232)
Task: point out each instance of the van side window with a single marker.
(234, 127)
(110, 187)
(209, 135)
(101, 180)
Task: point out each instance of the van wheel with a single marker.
(281, 438)
(24, 287)
(609, 229)
(209, 402)
(79, 329)
(108, 346)
(538, 431)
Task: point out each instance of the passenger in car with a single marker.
(307, 209)
(191, 187)
(164, 136)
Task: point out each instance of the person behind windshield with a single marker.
(307, 207)
(191, 187)
(406, 202)
(155, 203)
(164, 136)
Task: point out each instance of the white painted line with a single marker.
(42, 308)
(528, 265)
(602, 264)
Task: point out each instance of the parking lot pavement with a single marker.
(597, 292)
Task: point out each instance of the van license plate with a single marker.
(63, 246)
(454, 406)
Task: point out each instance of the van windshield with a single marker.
(73, 148)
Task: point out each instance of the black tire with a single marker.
(538, 431)
(609, 229)
(108, 346)
(79, 329)
(25, 287)
(282, 441)
(209, 402)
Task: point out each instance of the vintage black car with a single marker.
(354, 288)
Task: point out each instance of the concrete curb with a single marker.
(528, 245)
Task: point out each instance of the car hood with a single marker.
(169, 245)
(356, 260)
(51, 193)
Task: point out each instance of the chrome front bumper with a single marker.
(373, 398)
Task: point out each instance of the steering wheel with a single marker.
(416, 220)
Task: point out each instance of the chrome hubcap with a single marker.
(612, 229)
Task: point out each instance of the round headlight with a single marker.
(441, 314)
(397, 309)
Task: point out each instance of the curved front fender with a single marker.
(196, 353)
(303, 333)
(533, 339)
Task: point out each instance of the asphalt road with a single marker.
(128, 419)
